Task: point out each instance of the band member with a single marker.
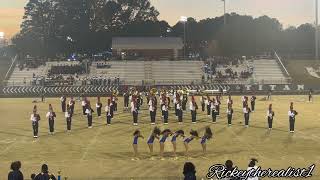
(168, 100)
(246, 112)
(63, 100)
(162, 103)
(229, 101)
(202, 101)
(194, 134)
(138, 102)
(114, 103)
(51, 115)
(99, 107)
(126, 101)
(136, 136)
(35, 118)
(89, 112)
(193, 108)
(141, 99)
(108, 112)
(35, 108)
(175, 102)
(220, 93)
(253, 102)
(165, 133)
(244, 101)
(174, 141)
(292, 118)
(84, 104)
(184, 101)
(68, 117)
(229, 114)
(269, 94)
(206, 136)
(134, 111)
(179, 111)
(208, 103)
(217, 104)
(165, 111)
(213, 107)
(154, 135)
(270, 115)
(310, 95)
(152, 110)
(72, 104)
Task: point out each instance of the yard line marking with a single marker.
(92, 142)
(245, 143)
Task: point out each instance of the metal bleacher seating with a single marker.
(268, 71)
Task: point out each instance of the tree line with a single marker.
(52, 28)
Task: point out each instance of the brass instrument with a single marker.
(153, 91)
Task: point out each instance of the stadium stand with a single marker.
(268, 71)
(159, 72)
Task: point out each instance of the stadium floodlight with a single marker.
(224, 12)
(1, 35)
(316, 32)
(184, 20)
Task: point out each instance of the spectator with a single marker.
(229, 167)
(189, 171)
(44, 175)
(15, 173)
(252, 165)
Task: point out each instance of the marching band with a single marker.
(210, 105)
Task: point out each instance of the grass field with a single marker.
(105, 152)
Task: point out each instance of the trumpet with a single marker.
(115, 93)
(184, 91)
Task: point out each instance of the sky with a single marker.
(288, 12)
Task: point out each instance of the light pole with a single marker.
(184, 20)
(224, 12)
(317, 33)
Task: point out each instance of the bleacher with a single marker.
(174, 71)
(268, 71)
(160, 72)
(129, 72)
(18, 76)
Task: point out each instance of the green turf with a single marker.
(105, 152)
